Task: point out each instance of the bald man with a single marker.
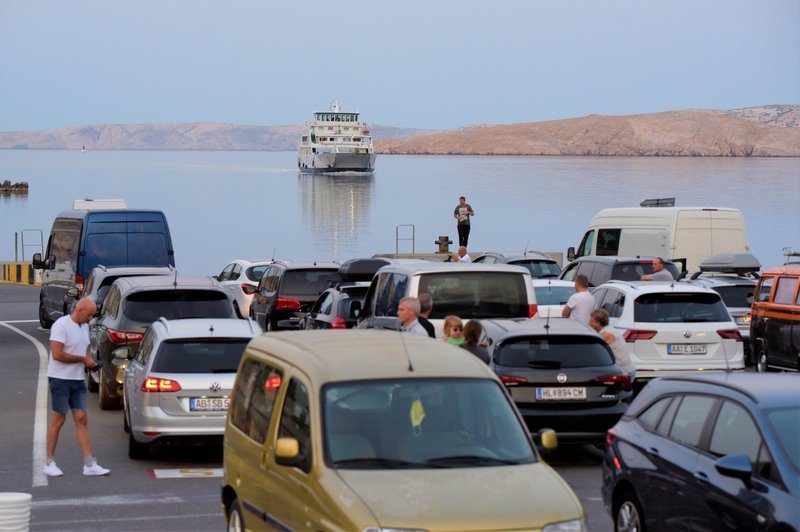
(69, 355)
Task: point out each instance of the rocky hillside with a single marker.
(200, 136)
(675, 133)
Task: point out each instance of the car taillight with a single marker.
(611, 435)
(122, 337)
(631, 335)
(623, 380)
(511, 379)
(338, 323)
(79, 285)
(731, 334)
(532, 310)
(249, 289)
(154, 384)
(287, 304)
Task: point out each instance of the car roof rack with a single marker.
(658, 202)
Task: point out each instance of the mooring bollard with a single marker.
(444, 243)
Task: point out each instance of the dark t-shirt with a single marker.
(462, 213)
(427, 325)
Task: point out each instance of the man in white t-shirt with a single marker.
(580, 304)
(69, 346)
(462, 256)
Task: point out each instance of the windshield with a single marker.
(786, 422)
(422, 423)
(679, 307)
(553, 295)
(308, 282)
(553, 352)
(476, 295)
(736, 295)
(206, 355)
(148, 306)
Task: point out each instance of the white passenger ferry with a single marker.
(336, 143)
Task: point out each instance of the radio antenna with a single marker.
(405, 349)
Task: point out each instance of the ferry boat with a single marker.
(336, 143)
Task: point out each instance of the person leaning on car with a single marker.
(580, 304)
(659, 273)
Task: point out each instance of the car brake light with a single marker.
(287, 304)
(731, 334)
(623, 380)
(79, 285)
(154, 384)
(249, 289)
(512, 380)
(122, 337)
(338, 323)
(631, 335)
(532, 310)
(611, 435)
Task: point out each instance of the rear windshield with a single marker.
(553, 295)
(553, 352)
(476, 294)
(308, 282)
(538, 268)
(217, 355)
(634, 271)
(679, 307)
(146, 307)
(736, 296)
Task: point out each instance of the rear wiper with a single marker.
(389, 463)
(696, 320)
(223, 370)
(550, 364)
(469, 459)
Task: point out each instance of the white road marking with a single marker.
(187, 473)
(107, 500)
(40, 417)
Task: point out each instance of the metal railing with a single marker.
(20, 238)
(397, 238)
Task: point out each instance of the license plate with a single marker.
(209, 404)
(560, 394)
(743, 320)
(687, 349)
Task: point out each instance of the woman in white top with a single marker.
(599, 322)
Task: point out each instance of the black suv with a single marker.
(600, 269)
(287, 290)
(132, 304)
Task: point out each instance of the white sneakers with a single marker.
(94, 470)
(51, 469)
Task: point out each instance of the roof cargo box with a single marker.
(355, 270)
(97, 204)
(739, 263)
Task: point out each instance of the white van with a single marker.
(682, 234)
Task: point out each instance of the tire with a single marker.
(628, 516)
(761, 361)
(137, 450)
(44, 321)
(104, 397)
(235, 518)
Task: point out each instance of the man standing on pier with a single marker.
(462, 213)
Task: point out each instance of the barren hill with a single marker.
(674, 133)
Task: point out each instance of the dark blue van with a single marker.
(84, 238)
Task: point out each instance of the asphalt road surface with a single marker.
(175, 489)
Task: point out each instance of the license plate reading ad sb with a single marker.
(209, 404)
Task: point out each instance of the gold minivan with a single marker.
(371, 430)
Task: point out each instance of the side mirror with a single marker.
(37, 261)
(72, 292)
(287, 451)
(736, 466)
(121, 354)
(570, 253)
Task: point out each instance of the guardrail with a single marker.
(20, 273)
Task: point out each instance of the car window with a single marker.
(538, 267)
(553, 295)
(326, 303)
(735, 432)
(253, 399)
(392, 290)
(585, 247)
(89, 286)
(236, 272)
(255, 273)
(649, 418)
(764, 289)
(786, 425)
(600, 274)
(225, 275)
(690, 419)
(608, 241)
(145, 347)
(476, 295)
(629, 271)
(736, 295)
(200, 356)
(679, 307)
(553, 352)
(586, 268)
(570, 271)
(613, 302)
(111, 303)
(308, 282)
(665, 423)
(785, 290)
(149, 305)
(296, 421)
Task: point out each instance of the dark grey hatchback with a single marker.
(717, 451)
(561, 375)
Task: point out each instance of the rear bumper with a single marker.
(577, 424)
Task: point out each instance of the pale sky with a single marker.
(414, 63)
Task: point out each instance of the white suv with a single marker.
(672, 328)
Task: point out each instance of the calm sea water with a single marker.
(224, 205)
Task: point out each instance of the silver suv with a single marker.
(539, 263)
(99, 282)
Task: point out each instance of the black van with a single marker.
(84, 238)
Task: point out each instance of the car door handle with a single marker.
(654, 451)
(702, 477)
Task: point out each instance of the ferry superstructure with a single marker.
(336, 143)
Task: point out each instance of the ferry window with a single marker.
(786, 290)
(356, 139)
(764, 289)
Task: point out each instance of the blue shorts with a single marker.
(67, 394)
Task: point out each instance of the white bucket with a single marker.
(15, 511)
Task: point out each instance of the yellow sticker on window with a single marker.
(417, 413)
